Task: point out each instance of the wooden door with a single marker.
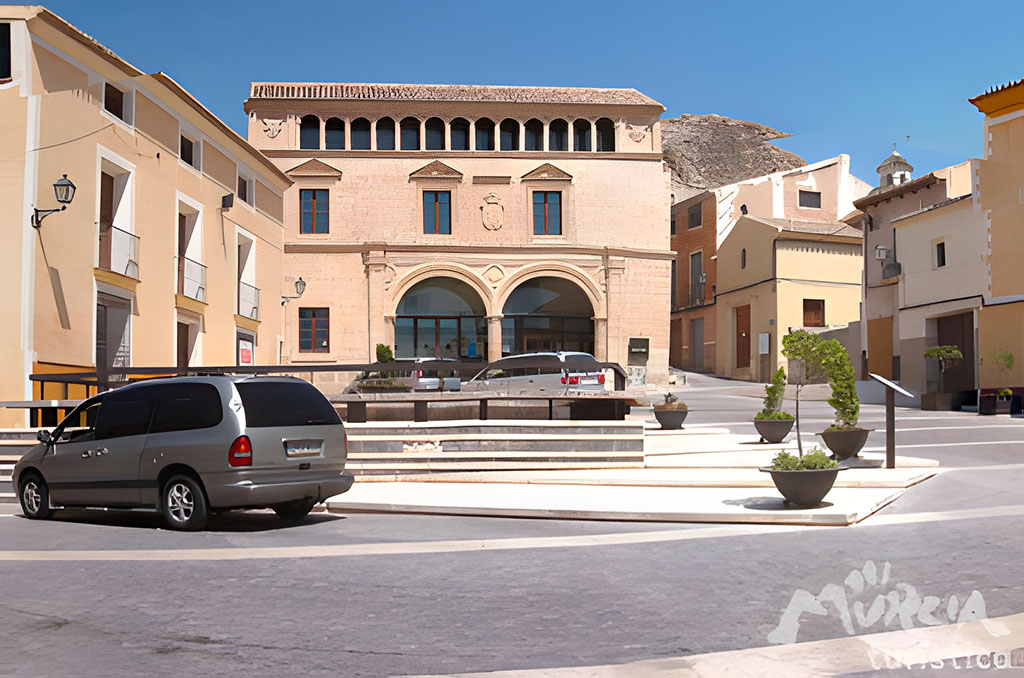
(183, 352)
(958, 330)
(697, 343)
(742, 336)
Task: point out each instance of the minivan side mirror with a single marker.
(43, 436)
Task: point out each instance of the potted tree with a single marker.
(947, 356)
(772, 422)
(999, 402)
(671, 413)
(801, 348)
(804, 480)
(844, 438)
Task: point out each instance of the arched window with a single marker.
(360, 134)
(309, 132)
(410, 134)
(484, 135)
(743, 258)
(334, 133)
(434, 134)
(385, 134)
(460, 134)
(534, 135)
(558, 135)
(509, 135)
(605, 135)
(581, 135)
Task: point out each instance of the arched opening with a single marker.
(547, 314)
(441, 317)
(581, 135)
(385, 134)
(410, 128)
(509, 135)
(558, 135)
(484, 134)
(334, 133)
(605, 135)
(434, 133)
(309, 132)
(534, 135)
(460, 134)
(360, 134)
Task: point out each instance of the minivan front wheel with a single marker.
(183, 504)
(34, 496)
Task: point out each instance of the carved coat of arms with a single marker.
(272, 127)
(492, 212)
(636, 133)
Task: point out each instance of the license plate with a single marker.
(588, 380)
(303, 448)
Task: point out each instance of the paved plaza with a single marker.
(398, 594)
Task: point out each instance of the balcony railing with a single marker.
(696, 294)
(191, 279)
(119, 251)
(248, 301)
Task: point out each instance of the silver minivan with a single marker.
(190, 446)
(527, 373)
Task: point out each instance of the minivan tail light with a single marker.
(574, 380)
(600, 378)
(417, 373)
(240, 453)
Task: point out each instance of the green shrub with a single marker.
(812, 461)
(1006, 392)
(843, 382)
(384, 354)
(772, 416)
(775, 391)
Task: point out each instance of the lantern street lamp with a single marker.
(64, 191)
(300, 287)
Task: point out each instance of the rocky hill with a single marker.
(707, 151)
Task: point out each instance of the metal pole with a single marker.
(890, 428)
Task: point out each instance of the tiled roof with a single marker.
(812, 227)
(475, 93)
(998, 88)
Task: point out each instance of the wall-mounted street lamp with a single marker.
(64, 191)
(882, 252)
(300, 287)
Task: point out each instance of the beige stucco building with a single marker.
(780, 275)
(145, 267)
(470, 222)
(803, 202)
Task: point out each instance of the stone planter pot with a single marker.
(774, 430)
(803, 489)
(942, 402)
(994, 404)
(670, 419)
(845, 444)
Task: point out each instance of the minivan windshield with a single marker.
(284, 403)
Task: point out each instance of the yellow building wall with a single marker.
(1000, 329)
(1001, 178)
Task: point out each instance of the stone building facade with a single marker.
(470, 222)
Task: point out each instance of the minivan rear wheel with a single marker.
(183, 504)
(34, 496)
(295, 510)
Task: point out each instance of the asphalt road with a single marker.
(387, 595)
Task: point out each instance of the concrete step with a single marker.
(18, 434)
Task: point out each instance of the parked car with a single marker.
(189, 446)
(532, 372)
(406, 375)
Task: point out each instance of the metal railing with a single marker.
(248, 301)
(119, 251)
(191, 279)
(696, 294)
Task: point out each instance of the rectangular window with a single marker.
(695, 216)
(314, 330)
(113, 101)
(940, 254)
(672, 227)
(673, 304)
(187, 151)
(696, 278)
(315, 209)
(547, 213)
(814, 312)
(437, 212)
(244, 194)
(810, 199)
(5, 51)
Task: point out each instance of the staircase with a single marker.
(14, 442)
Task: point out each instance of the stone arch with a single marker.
(568, 272)
(456, 271)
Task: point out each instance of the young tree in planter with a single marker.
(802, 349)
(948, 356)
(773, 395)
(843, 382)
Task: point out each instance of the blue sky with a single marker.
(840, 77)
